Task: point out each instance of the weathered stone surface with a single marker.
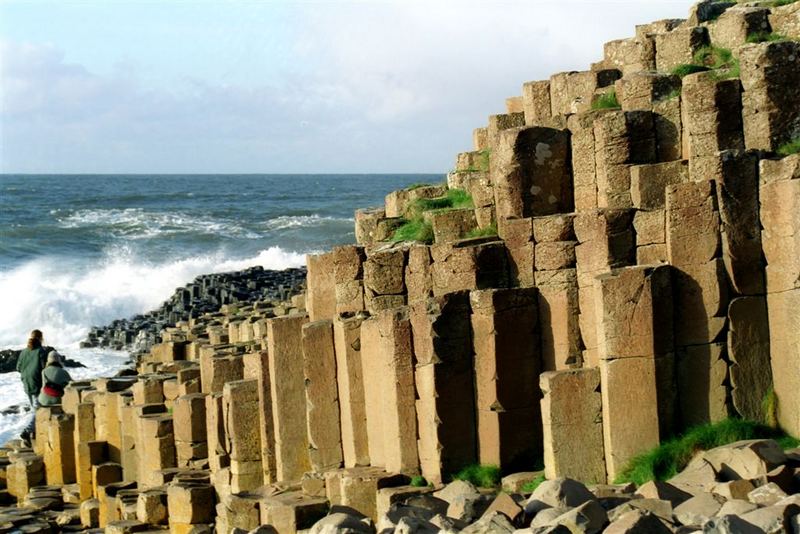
(151, 507)
(785, 20)
(733, 27)
(581, 128)
(367, 224)
(678, 46)
(321, 292)
(469, 264)
(350, 380)
(190, 504)
(445, 384)
(622, 139)
(480, 140)
(190, 418)
(507, 362)
(572, 424)
(748, 350)
(292, 512)
(779, 196)
(554, 255)
(384, 273)
(501, 122)
(637, 522)
(518, 237)
(648, 183)
(559, 318)
(701, 376)
(284, 345)
(628, 432)
(419, 284)
(558, 493)
(630, 55)
(322, 396)
(771, 117)
(395, 366)
(699, 509)
(634, 308)
(451, 224)
(536, 102)
(784, 326)
(712, 120)
(530, 172)
(650, 228)
(573, 92)
(701, 293)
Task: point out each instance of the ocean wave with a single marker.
(64, 298)
(137, 223)
(302, 221)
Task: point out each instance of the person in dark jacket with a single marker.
(30, 365)
(54, 380)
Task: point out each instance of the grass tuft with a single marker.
(718, 59)
(483, 476)
(671, 457)
(779, 3)
(606, 101)
(416, 185)
(765, 37)
(787, 149)
(688, 68)
(489, 231)
(419, 482)
(414, 230)
(530, 487)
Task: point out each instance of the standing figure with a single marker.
(54, 380)
(30, 365)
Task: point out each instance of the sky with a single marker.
(227, 86)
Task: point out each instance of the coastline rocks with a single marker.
(207, 293)
(9, 357)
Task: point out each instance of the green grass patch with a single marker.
(779, 3)
(483, 163)
(606, 101)
(489, 231)
(530, 487)
(787, 149)
(671, 457)
(483, 476)
(419, 482)
(765, 37)
(688, 68)
(414, 230)
(718, 59)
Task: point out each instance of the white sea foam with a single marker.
(301, 221)
(64, 298)
(137, 223)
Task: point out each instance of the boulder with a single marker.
(558, 493)
(730, 524)
(699, 509)
(494, 523)
(766, 495)
(343, 523)
(637, 522)
(746, 459)
(665, 491)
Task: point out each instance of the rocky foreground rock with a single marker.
(616, 262)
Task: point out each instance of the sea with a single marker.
(83, 250)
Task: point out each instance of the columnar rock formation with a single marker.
(634, 270)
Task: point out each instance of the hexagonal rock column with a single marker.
(572, 421)
(322, 396)
(444, 378)
(285, 348)
(388, 368)
(634, 307)
(350, 380)
(531, 173)
(507, 364)
(780, 219)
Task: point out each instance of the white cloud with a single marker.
(379, 87)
